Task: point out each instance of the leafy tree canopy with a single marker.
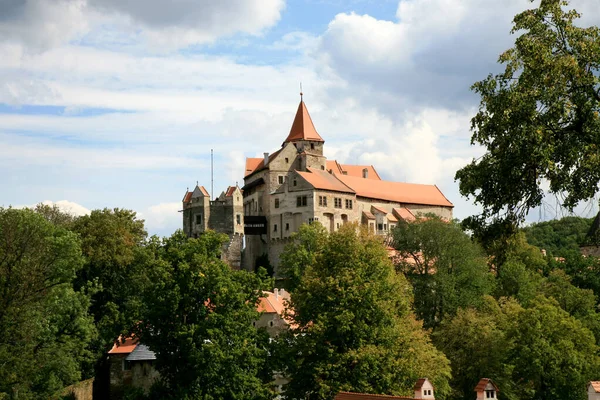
(558, 237)
(447, 269)
(538, 120)
(355, 330)
(44, 324)
(198, 321)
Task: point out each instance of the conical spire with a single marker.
(303, 127)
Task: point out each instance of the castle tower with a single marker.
(196, 211)
(307, 140)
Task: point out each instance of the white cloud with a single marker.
(157, 24)
(65, 206)
(163, 217)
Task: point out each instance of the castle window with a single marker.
(301, 201)
(287, 160)
(295, 183)
(323, 167)
(275, 228)
(337, 202)
(276, 203)
(348, 204)
(323, 201)
(287, 227)
(238, 219)
(198, 219)
(385, 227)
(338, 225)
(280, 178)
(312, 146)
(270, 323)
(379, 227)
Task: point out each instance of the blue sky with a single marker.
(105, 103)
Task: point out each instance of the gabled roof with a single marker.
(230, 191)
(365, 396)
(200, 191)
(256, 164)
(187, 197)
(141, 353)
(404, 213)
(595, 385)
(273, 302)
(368, 215)
(378, 209)
(352, 170)
(303, 127)
(483, 382)
(407, 193)
(323, 180)
(124, 346)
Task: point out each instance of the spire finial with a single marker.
(301, 91)
(196, 183)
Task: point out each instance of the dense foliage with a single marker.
(558, 237)
(538, 120)
(355, 328)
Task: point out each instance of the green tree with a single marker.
(553, 355)
(516, 280)
(301, 252)
(447, 269)
(538, 120)
(44, 325)
(558, 237)
(354, 329)
(112, 243)
(199, 324)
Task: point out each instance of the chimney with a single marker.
(365, 173)
(266, 159)
(276, 291)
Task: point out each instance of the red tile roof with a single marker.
(365, 396)
(483, 382)
(392, 218)
(303, 127)
(404, 213)
(230, 191)
(187, 197)
(407, 193)
(324, 180)
(274, 302)
(352, 170)
(378, 209)
(595, 385)
(204, 191)
(368, 215)
(256, 164)
(419, 384)
(125, 347)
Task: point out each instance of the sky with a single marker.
(112, 103)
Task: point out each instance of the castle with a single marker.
(296, 185)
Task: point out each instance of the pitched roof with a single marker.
(407, 193)
(483, 382)
(404, 213)
(124, 346)
(352, 170)
(141, 353)
(323, 180)
(368, 215)
(420, 383)
(378, 209)
(256, 164)
(303, 127)
(365, 396)
(230, 191)
(595, 385)
(273, 302)
(200, 190)
(392, 218)
(187, 197)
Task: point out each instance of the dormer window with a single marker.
(490, 394)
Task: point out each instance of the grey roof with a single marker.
(141, 353)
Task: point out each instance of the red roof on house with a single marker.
(187, 197)
(273, 302)
(407, 193)
(323, 180)
(368, 215)
(124, 347)
(378, 209)
(483, 382)
(352, 170)
(365, 396)
(303, 127)
(230, 191)
(256, 164)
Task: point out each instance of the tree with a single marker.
(354, 330)
(301, 252)
(44, 325)
(558, 237)
(198, 321)
(447, 269)
(538, 120)
(116, 260)
(554, 355)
